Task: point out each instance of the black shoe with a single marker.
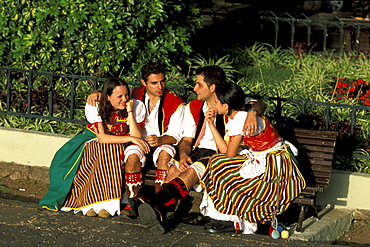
(151, 218)
(218, 226)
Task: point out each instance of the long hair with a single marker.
(232, 95)
(105, 108)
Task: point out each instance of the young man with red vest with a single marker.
(196, 147)
(164, 116)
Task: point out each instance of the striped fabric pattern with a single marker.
(99, 177)
(254, 199)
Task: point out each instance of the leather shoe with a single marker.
(151, 218)
(218, 226)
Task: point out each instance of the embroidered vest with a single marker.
(264, 140)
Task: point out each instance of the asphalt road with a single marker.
(26, 224)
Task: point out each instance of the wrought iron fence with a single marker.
(61, 97)
(37, 94)
(321, 33)
(52, 96)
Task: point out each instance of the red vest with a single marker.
(168, 105)
(198, 116)
(264, 140)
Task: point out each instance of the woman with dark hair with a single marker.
(86, 174)
(253, 178)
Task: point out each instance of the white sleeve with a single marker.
(176, 120)
(139, 111)
(235, 126)
(188, 126)
(91, 113)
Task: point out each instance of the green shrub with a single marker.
(95, 37)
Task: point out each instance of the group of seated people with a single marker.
(218, 144)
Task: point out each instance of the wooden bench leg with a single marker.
(300, 218)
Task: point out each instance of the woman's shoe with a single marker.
(104, 214)
(218, 226)
(151, 218)
(91, 213)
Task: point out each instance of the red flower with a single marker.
(360, 81)
(367, 102)
(345, 85)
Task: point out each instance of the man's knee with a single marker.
(163, 161)
(133, 163)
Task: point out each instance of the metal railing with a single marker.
(30, 77)
(11, 78)
(17, 87)
(338, 35)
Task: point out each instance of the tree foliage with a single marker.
(95, 37)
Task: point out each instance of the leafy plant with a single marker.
(95, 37)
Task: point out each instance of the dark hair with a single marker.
(213, 74)
(232, 95)
(105, 108)
(152, 68)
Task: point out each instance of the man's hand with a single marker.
(94, 97)
(153, 140)
(250, 124)
(184, 162)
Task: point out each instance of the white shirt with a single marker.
(92, 114)
(151, 122)
(189, 129)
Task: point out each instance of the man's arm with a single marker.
(155, 141)
(250, 124)
(94, 97)
(185, 148)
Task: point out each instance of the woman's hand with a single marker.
(129, 105)
(142, 143)
(211, 115)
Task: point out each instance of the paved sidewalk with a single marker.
(26, 224)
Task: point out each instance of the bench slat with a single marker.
(322, 149)
(316, 142)
(305, 201)
(315, 133)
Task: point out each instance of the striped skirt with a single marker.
(254, 199)
(98, 181)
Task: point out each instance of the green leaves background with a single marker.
(95, 37)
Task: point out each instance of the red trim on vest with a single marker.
(196, 109)
(171, 103)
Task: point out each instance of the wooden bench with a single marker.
(315, 157)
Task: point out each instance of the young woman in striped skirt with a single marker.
(86, 174)
(253, 178)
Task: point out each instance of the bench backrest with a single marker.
(315, 154)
